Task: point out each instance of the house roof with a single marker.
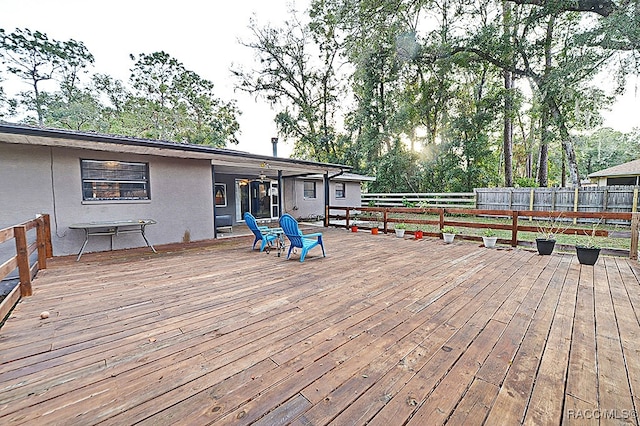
(224, 160)
(346, 177)
(632, 168)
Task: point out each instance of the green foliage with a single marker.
(489, 233)
(410, 92)
(34, 58)
(523, 182)
(607, 148)
(167, 100)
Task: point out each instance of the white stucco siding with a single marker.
(25, 183)
(299, 206)
(48, 180)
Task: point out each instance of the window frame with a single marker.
(305, 191)
(343, 190)
(114, 183)
(222, 189)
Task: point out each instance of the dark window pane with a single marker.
(114, 180)
(309, 189)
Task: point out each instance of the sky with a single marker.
(203, 35)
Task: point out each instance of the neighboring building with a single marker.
(87, 177)
(623, 174)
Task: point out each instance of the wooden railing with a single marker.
(387, 217)
(24, 250)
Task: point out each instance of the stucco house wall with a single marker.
(39, 179)
(299, 206)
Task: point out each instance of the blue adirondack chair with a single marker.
(304, 242)
(263, 234)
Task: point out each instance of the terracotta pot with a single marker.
(374, 231)
(418, 235)
(354, 229)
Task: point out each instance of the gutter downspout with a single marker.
(213, 194)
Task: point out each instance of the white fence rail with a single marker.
(462, 200)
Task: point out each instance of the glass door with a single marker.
(258, 197)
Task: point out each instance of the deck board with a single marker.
(382, 331)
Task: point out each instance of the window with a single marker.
(631, 180)
(309, 189)
(340, 190)
(114, 180)
(221, 194)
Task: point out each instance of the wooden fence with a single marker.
(614, 199)
(520, 221)
(24, 249)
(584, 199)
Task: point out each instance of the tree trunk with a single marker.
(543, 170)
(507, 139)
(508, 130)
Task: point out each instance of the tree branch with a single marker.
(600, 7)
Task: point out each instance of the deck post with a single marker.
(42, 251)
(47, 235)
(384, 219)
(441, 219)
(635, 225)
(346, 216)
(22, 254)
(327, 200)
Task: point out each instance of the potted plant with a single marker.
(489, 238)
(400, 228)
(546, 241)
(449, 234)
(589, 252)
(375, 226)
(354, 224)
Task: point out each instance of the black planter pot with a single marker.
(545, 247)
(587, 255)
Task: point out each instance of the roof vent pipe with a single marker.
(274, 142)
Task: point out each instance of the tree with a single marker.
(170, 102)
(304, 90)
(35, 59)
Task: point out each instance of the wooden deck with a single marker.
(382, 331)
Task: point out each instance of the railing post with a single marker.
(22, 254)
(47, 235)
(347, 218)
(40, 237)
(514, 228)
(635, 225)
(441, 219)
(384, 218)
